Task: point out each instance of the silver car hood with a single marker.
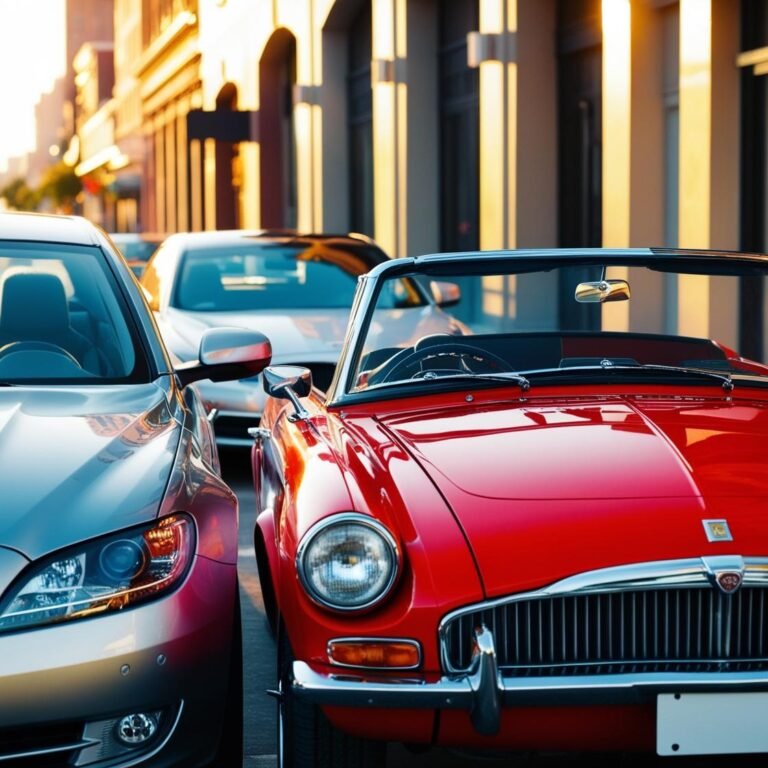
(76, 463)
(298, 334)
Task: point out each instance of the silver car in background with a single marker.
(137, 247)
(120, 637)
(295, 289)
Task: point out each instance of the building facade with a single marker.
(435, 125)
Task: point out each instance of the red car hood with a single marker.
(546, 489)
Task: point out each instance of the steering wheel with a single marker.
(467, 357)
(37, 346)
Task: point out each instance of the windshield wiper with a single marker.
(525, 385)
(725, 380)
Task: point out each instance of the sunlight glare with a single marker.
(32, 42)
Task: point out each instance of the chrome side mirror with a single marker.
(289, 382)
(602, 290)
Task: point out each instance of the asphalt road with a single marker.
(259, 659)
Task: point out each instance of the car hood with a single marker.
(302, 333)
(78, 463)
(543, 490)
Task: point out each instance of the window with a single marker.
(62, 318)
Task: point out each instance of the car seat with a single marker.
(34, 308)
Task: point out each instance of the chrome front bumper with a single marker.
(484, 690)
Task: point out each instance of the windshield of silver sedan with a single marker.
(63, 318)
(256, 275)
(657, 322)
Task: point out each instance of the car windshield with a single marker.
(606, 321)
(62, 318)
(269, 276)
(133, 247)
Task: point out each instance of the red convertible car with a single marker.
(543, 528)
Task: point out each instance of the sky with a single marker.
(31, 58)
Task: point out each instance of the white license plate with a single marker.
(711, 723)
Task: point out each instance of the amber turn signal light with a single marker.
(375, 654)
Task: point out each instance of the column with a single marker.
(616, 116)
(389, 125)
(494, 50)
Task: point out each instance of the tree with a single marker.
(61, 186)
(18, 196)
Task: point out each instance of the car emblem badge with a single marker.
(726, 572)
(717, 530)
(728, 581)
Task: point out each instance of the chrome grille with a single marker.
(691, 628)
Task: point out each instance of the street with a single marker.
(258, 665)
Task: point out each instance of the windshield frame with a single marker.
(512, 262)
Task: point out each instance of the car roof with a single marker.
(223, 236)
(137, 237)
(47, 228)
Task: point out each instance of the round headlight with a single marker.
(347, 562)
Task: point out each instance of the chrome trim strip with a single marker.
(406, 640)
(690, 572)
(362, 306)
(450, 692)
(703, 662)
(355, 690)
(341, 518)
(47, 751)
(484, 690)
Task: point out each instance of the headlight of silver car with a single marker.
(348, 562)
(105, 574)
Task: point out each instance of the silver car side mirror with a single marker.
(226, 354)
(289, 382)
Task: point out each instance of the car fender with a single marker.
(266, 563)
(330, 467)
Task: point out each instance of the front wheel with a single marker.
(305, 737)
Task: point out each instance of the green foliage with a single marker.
(18, 196)
(60, 185)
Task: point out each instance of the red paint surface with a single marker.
(504, 495)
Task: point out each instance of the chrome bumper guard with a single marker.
(484, 689)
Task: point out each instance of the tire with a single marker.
(230, 751)
(306, 738)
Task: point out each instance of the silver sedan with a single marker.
(119, 605)
(295, 289)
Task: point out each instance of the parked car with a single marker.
(297, 289)
(137, 247)
(547, 534)
(120, 633)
